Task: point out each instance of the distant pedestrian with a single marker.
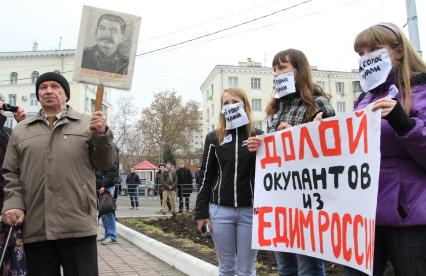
(132, 182)
(184, 176)
(169, 181)
(107, 185)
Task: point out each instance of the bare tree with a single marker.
(123, 122)
(166, 123)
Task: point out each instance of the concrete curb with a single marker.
(182, 261)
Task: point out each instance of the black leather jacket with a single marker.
(228, 172)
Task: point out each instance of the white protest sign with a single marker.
(284, 85)
(316, 189)
(235, 115)
(374, 69)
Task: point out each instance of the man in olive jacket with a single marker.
(50, 188)
(169, 180)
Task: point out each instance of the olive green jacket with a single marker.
(50, 175)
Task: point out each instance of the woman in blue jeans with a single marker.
(294, 105)
(398, 91)
(225, 199)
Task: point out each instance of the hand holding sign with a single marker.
(387, 105)
(283, 125)
(253, 143)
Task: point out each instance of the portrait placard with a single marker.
(106, 48)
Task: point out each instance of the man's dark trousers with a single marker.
(77, 256)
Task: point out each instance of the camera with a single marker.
(8, 107)
(205, 230)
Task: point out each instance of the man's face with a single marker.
(108, 36)
(132, 170)
(169, 166)
(52, 95)
(162, 168)
(182, 165)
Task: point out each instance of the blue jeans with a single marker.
(231, 233)
(108, 220)
(290, 264)
(404, 246)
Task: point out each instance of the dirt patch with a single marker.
(180, 232)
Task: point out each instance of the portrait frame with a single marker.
(92, 66)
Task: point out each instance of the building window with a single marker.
(258, 124)
(209, 94)
(34, 76)
(212, 110)
(232, 82)
(33, 99)
(255, 83)
(12, 99)
(212, 90)
(256, 104)
(340, 88)
(341, 107)
(13, 78)
(356, 86)
(321, 84)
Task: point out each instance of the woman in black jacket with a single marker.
(225, 199)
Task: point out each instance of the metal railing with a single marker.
(152, 191)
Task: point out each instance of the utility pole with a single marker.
(413, 28)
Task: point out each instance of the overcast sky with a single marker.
(323, 29)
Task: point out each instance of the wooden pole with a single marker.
(99, 97)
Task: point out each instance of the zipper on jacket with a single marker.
(236, 169)
(220, 179)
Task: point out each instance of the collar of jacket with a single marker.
(241, 129)
(70, 114)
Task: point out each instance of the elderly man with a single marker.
(49, 172)
(104, 56)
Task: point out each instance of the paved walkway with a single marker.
(126, 259)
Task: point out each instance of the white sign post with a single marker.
(316, 189)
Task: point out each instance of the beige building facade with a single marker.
(257, 81)
(19, 72)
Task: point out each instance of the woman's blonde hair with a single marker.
(406, 66)
(241, 94)
(303, 78)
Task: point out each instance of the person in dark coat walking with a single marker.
(105, 182)
(184, 185)
(132, 182)
(159, 186)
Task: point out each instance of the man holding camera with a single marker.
(49, 171)
(19, 114)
